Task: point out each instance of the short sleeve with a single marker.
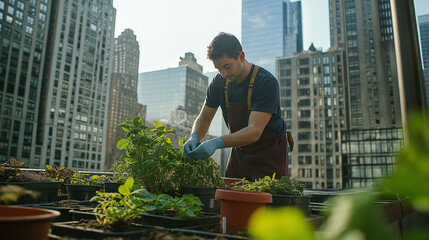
(265, 95)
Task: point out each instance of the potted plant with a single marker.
(62, 175)
(11, 173)
(18, 222)
(236, 207)
(152, 160)
(83, 186)
(119, 214)
(285, 191)
(200, 178)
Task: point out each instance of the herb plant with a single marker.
(282, 186)
(86, 179)
(57, 174)
(152, 160)
(125, 206)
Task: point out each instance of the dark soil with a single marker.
(74, 204)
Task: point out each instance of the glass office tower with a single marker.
(173, 95)
(270, 29)
(424, 40)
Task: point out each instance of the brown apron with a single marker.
(262, 158)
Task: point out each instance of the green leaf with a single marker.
(123, 143)
(137, 120)
(150, 208)
(144, 194)
(126, 187)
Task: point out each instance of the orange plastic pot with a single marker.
(23, 223)
(236, 207)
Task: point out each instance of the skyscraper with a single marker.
(424, 40)
(123, 93)
(23, 48)
(374, 134)
(174, 95)
(312, 96)
(72, 121)
(270, 29)
(364, 30)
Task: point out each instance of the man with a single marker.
(249, 98)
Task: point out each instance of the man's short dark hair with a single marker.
(224, 43)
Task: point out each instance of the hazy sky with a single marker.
(166, 29)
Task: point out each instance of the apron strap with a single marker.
(249, 91)
(226, 93)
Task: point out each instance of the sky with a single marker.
(167, 29)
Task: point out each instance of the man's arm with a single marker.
(203, 121)
(249, 134)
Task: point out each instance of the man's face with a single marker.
(230, 68)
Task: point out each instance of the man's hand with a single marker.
(206, 149)
(191, 144)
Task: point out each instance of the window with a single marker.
(30, 20)
(29, 30)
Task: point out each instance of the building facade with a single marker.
(364, 30)
(369, 155)
(313, 104)
(270, 29)
(123, 93)
(23, 46)
(72, 123)
(174, 95)
(424, 40)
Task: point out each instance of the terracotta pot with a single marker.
(228, 181)
(25, 222)
(236, 207)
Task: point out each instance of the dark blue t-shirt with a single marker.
(265, 96)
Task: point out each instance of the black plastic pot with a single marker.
(48, 191)
(67, 229)
(81, 192)
(173, 222)
(206, 195)
(301, 202)
(111, 187)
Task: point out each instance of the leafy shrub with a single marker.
(10, 171)
(152, 160)
(125, 206)
(57, 174)
(86, 179)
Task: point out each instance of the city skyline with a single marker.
(175, 18)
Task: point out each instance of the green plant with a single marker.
(183, 207)
(152, 160)
(123, 207)
(57, 174)
(12, 193)
(86, 179)
(120, 209)
(10, 171)
(282, 186)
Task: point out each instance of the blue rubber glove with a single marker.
(206, 149)
(191, 144)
